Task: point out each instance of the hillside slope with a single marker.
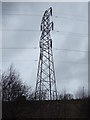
(46, 109)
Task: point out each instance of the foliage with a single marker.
(12, 86)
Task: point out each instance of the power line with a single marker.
(57, 31)
(68, 62)
(68, 18)
(21, 12)
(71, 62)
(20, 48)
(72, 33)
(71, 15)
(69, 50)
(19, 60)
(32, 30)
(54, 16)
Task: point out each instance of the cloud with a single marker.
(72, 20)
(45, 1)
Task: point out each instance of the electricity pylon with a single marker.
(46, 82)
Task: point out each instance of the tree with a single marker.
(60, 96)
(68, 96)
(81, 93)
(12, 86)
(64, 96)
(0, 86)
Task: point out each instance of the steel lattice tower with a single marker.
(46, 82)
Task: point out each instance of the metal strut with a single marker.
(46, 82)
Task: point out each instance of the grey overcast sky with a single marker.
(70, 32)
(45, 0)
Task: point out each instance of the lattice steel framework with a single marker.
(46, 82)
